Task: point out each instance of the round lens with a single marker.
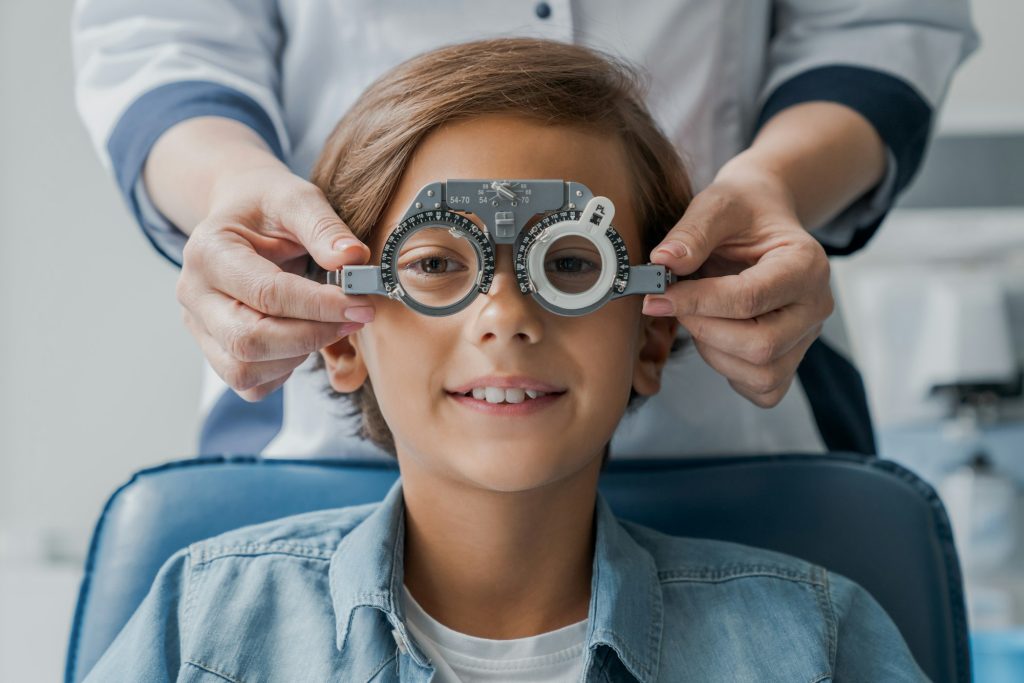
(572, 264)
(437, 266)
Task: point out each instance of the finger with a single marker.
(783, 277)
(262, 391)
(768, 400)
(311, 218)
(249, 336)
(764, 385)
(229, 264)
(711, 217)
(760, 340)
(253, 378)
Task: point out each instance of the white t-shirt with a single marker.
(552, 657)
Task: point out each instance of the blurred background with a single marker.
(98, 377)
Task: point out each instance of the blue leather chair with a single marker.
(869, 519)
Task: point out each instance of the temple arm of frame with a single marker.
(649, 279)
(358, 280)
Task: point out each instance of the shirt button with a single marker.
(543, 10)
(399, 641)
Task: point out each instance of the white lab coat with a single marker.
(291, 68)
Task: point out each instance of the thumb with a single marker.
(325, 236)
(708, 222)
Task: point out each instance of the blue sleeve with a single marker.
(898, 114)
(889, 60)
(869, 646)
(149, 647)
(146, 120)
(140, 68)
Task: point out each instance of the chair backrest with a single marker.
(869, 519)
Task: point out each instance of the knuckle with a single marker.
(697, 329)
(324, 228)
(321, 338)
(718, 200)
(181, 292)
(248, 396)
(763, 350)
(825, 265)
(691, 235)
(308, 193)
(253, 394)
(239, 376)
(291, 194)
(192, 253)
(244, 343)
(828, 306)
(263, 295)
(762, 399)
(203, 242)
(326, 306)
(817, 260)
(772, 380)
(774, 397)
(260, 392)
(747, 300)
(767, 381)
(765, 400)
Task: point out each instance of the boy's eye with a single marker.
(571, 265)
(434, 265)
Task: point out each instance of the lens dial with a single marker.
(436, 262)
(575, 263)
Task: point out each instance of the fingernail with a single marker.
(359, 314)
(671, 250)
(343, 243)
(658, 305)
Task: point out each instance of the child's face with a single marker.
(415, 361)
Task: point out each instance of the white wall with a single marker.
(988, 91)
(97, 375)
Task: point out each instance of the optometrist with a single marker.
(802, 120)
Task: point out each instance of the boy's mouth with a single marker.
(498, 395)
(527, 406)
(496, 391)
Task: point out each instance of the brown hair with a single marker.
(363, 160)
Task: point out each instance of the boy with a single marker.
(493, 558)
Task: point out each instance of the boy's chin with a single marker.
(515, 471)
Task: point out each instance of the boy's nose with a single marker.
(505, 313)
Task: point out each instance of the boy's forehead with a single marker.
(512, 147)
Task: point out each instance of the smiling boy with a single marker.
(494, 558)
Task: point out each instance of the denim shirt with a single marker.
(317, 597)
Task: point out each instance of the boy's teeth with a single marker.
(498, 395)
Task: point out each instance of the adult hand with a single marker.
(763, 290)
(254, 314)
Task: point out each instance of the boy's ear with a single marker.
(346, 370)
(657, 335)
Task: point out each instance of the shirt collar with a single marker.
(625, 607)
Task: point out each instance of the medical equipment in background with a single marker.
(938, 334)
(572, 261)
(935, 310)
